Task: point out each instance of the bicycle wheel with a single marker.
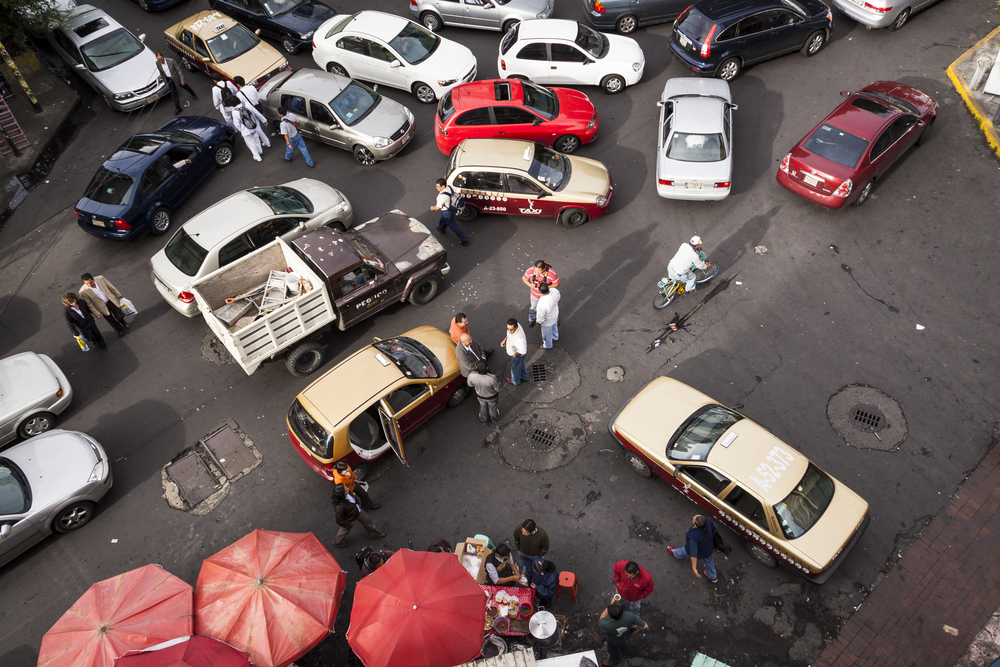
(702, 277)
(665, 296)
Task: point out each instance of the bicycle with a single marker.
(669, 289)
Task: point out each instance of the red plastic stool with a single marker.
(567, 580)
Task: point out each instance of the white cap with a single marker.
(695, 240)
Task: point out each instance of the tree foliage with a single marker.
(18, 17)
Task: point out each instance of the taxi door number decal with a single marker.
(772, 468)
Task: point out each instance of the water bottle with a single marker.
(82, 343)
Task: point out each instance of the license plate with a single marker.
(694, 186)
(859, 3)
(406, 139)
(811, 180)
(98, 223)
(684, 40)
(152, 98)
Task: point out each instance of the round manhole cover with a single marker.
(867, 418)
(543, 439)
(616, 374)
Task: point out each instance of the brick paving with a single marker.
(946, 582)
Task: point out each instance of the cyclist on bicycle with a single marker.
(687, 258)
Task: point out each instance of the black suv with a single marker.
(720, 37)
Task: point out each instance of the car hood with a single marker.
(450, 61)
(320, 194)
(624, 49)
(56, 464)
(305, 17)
(255, 62)
(574, 105)
(403, 240)
(135, 73)
(24, 381)
(590, 178)
(826, 539)
(384, 120)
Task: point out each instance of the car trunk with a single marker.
(816, 173)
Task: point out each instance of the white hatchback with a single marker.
(387, 49)
(560, 52)
(694, 143)
(32, 392)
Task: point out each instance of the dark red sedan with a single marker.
(515, 109)
(839, 162)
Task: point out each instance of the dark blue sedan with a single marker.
(138, 188)
(291, 22)
(157, 5)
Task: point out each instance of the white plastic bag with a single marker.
(127, 308)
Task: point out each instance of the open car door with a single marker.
(391, 429)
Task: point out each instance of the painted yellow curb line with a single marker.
(984, 122)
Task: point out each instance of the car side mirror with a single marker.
(537, 121)
(488, 5)
(142, 37)
(589, 62)
(734, 107)
(257, 32)
(79, 66)
(738, 406)
(921, 123)
(845, 93)
(659, 104)
(302, 224)
(5, 530)
(542, 194)
(374, 87)
(205, 59)
(395, 63)
(334, 125)
(376, 339)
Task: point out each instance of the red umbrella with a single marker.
(273, 595)
(134, 610)
(187, 652)
(420, 609)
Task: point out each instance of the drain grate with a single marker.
(867, 417)
(543, 437)
(539, 373)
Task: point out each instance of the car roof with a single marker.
(315, 83)
(376, 24)
(477, 94)
(83, 15)
(221, 221)
(698, 115)
(204, 24)
(548, 29)
(858, 121)
(328, 251)
(750, 448)
(495, 153)
(721, 10)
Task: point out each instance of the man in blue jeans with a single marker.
(516, 343)
(443, 204)
(699, 543)
(618, 625)
(290, 131)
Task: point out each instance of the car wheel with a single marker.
(613, 84)
(304, 359)
(508, 25)
(729, 69)
(573, 217)
(761, 555)
(467, 214)
(519, 76)
(424, 93)
(901, 20)
(922, 139)
(74, 517)
(637, 464)
(187, 64)
(223, 154)
(159, 222)
(338, 226)
(289, 45)
(627, 24)
(567, 143)
(865, 193)
(458, 396)
(144, 4)
(431, 21)
(336, 68)
(814, 44)
(424, 291)
(36, 424)
(364, 156)
(360, 471)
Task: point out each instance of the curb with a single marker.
(985, 124)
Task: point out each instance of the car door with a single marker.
(783, 31)
(391, 429)
(157, 184)
(258, 19)
(647, 11)
(474, 124)
(749, 510)
(351, 55)
(481, 14)
(751, 41)
(519, 123)
(568, 64)
(408, 405)
(533, 61)
(891, 144)
(485, 190)
(528, 197)
(702, 484)
(325, 127)
(203, 59)
(287, 227)
(23, 534)
(384, 66)
(236, 248)
(188, 176)
(452, 11)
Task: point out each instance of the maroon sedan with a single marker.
(840, 160)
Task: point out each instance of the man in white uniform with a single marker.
(218, 93)
(251, 135)
(248, 97)
(687, 258)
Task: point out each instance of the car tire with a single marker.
(508, 25)
(223, 154)
(573, 217)
(431, 21)
(338, 69)
(760, 554)
(567, 143)
(627, 24)
(520, 77)
(424, 291)
(729, 69)
(467, 214)
(36, 424)
(361, 471)
(613, 84)
(925, 135)
(289, 45)
(458, 396)
(866, 193)
(337, 226)
(364, 156)
(637, 464)
(814, 43)
(304, 359)
(74, 517)
(159, 222)
(424, 93)
(187, 64)
(901, 20)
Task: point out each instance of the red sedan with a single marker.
(839, 162)
(515, 109)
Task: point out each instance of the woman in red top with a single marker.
(539, 274)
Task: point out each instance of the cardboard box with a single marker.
(474, 563)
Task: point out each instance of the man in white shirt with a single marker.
(251, 135)
(290, 131)
(517, 347)
(104, 301)
(248, 97)
(218, 93)
(687, 258)
(547, 315)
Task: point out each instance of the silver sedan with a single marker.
(483, 14)
(32, 392)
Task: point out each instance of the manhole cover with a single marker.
(539, 373)
(867, 418)
(615, 374)
(229, 451)
(541, 440)
(195, 482)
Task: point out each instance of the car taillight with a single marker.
(413, 2)
(663, 181)
(314, 43)
(185, 297)
(784, 163)
(844, 189)
(78, 215)
(706, 48)
(503, 65)
(722, 185)
(121, 225)
(880, 10)
(598, 7)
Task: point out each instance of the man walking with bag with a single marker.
(248, 120)
(699, 543)
(104, 300)
(80, 320)
(173, 75)
(444, 204)
(348, 510)
(293, 139)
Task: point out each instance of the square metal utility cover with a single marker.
(229, 451)
(194, 480)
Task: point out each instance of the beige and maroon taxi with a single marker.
(216, 44)
(364, 406)
(788, 509)
(510, 177)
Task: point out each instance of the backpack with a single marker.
(247, 119)
(362, 556)
(456, 201)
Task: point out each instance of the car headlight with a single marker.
(409, 114)
(124, 96)
(636, 67)
(592, 123)
(307, 35)
(601, 201)
(540, 15)
(97, 473)
(341, 207)
(448, 82)
(381, 142)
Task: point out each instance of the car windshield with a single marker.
(541, 100)
(701, 432)
(309, 432)
(902, 105)
(415, 43)
(110, 50)
(695, 25)
(550, 168)
(233, 43)
(367, 253)
(410, 357)
(805, 504)
(109, 188)
(283, 199)
(686, 147)
(836, 145)
(355, 102)
(592, 41)
(185, 253)
(796, 7)
(279, 7)
(14, 497)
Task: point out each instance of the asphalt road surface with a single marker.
(834, 301)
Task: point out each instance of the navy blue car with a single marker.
(138, 188)
(291, 22)
(157, 5)
(721, 37)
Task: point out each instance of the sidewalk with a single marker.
(975, 70)
(929, 609)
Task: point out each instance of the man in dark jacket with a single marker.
(469, 353)
(487, 389)
(619, 624)
(531, 542)
(699, 543)
(544, 578)
(174, 76)
(348, 510)
(80, 320)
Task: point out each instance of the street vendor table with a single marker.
(519, 626)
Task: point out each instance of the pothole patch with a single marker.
(543, 439)
(213, 350)
(615, 374)
(552, 375)
(867, 418)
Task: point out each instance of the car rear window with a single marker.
(893, 101)
(696, 147)
(143, 144)
(701, 432)
(836, 145)
(185, 253)
(445, 107)
(695, 25)
(309, 432)
(871, 106)
(339, 26)
(510, 38)
(109, 188)
(805, 504)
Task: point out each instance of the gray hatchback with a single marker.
(483, 14)
(342, 112)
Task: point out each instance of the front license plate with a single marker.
(97, 223)
(152, 98)
(406, 139)
(685, 42)
(811, 180)
(694, 186)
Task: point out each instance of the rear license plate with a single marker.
(859, 3)
(685, 42)
(694, 186)
(98, 223)
(152, 98)
(811, 180)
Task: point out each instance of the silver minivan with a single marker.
(341, 112)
